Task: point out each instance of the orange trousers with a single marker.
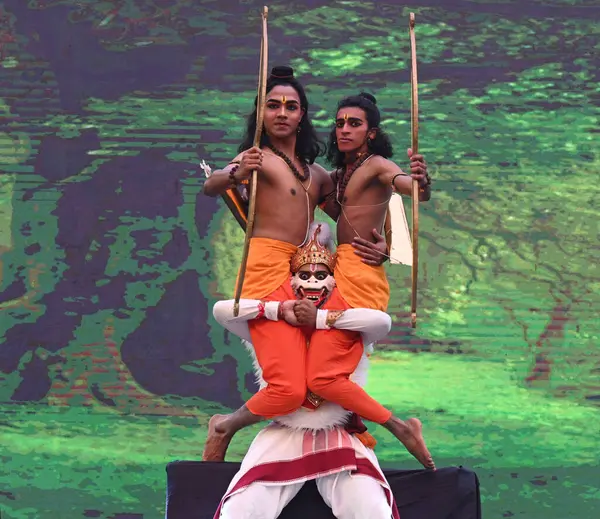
(333, 356)
(281, 350)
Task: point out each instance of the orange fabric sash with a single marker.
(268, 267)
(361, 285)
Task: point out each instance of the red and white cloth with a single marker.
(280, 456)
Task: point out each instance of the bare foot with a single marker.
(217, 439)
(410, 433)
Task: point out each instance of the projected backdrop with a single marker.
(111, 259)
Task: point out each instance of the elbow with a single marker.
(220, 310)
(383, 327)
(387, 324)
(208, 188)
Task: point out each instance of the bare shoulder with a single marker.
(320, 174)
(317, 169)
(372, 167)
(382, 166)
(378, 163)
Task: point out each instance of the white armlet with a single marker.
(271, 309)
(322, 320)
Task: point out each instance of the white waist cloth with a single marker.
(280, 456)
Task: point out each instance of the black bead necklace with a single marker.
(301, 177)
(342, 183)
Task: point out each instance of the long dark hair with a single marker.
(379, 145)
(308, 144)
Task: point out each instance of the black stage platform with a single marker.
(195, 488)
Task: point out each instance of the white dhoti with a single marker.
(349, 497)
(280, 460)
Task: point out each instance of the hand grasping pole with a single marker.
(260, 112)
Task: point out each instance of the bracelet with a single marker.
(232, 180)
(332, 317)
(394, 179)
(261, 310)
(280, 312)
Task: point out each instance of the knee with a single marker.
(372, 502)
(234, 507)
(319, 382)
(243, 505)
(374, 507)
(292, 396)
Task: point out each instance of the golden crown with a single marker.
(312, 253)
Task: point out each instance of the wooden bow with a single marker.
(414, 122)
(260, 112)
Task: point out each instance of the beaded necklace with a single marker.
(342, 183)
(286, 159)
(301, 179)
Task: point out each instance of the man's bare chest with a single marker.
(285, 188)
(360, 189)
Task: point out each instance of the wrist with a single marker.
(233, 180)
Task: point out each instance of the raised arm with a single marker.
(238, 170)
(390, 174)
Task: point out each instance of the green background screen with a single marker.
(111, 258)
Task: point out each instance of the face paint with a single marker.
(314, 285)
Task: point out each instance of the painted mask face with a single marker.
(314, 282)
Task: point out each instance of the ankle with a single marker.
(395, 424)
(223, 426)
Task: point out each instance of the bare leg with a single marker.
(221, 428)
(410, 433)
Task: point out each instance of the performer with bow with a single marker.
(364, 181)
(289, 187)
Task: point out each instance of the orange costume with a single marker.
(334, 354)
(280, 348)
(288, 367)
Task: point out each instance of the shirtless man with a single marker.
(290, 186)
(364, 181)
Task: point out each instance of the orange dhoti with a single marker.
(279, 347)
(333, 355)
